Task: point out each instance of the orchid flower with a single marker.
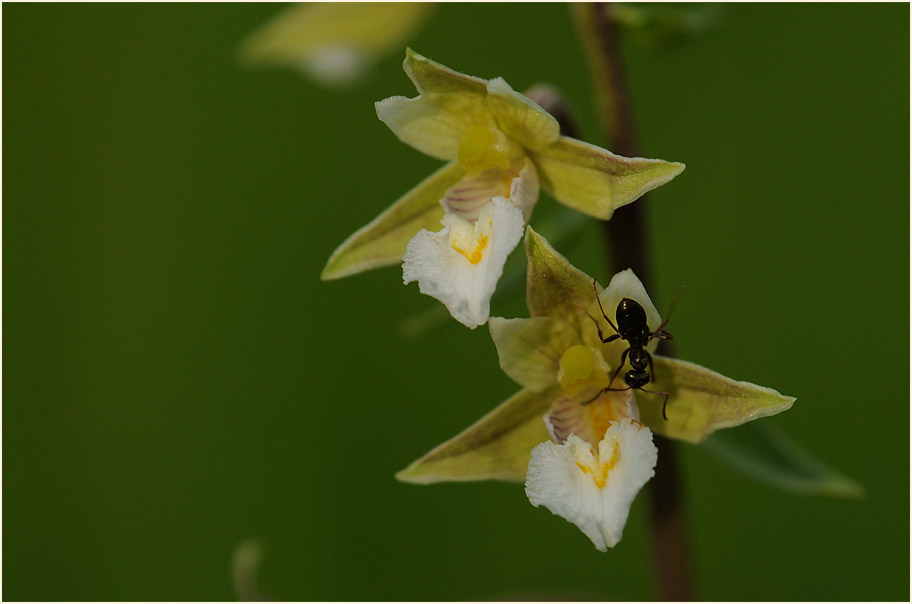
(583, 450)
(334, 43)
(500, 148)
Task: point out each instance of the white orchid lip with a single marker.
(461, 264)
(593, 487)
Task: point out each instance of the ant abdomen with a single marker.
(637, 379)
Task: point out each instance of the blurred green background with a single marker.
(178, 380)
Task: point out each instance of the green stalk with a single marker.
(628, 247)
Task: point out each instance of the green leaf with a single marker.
(595, 181)
(383, 241)
(762, 451)
(496, 447)
(702, 401)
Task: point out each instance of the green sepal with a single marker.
(701, 401)
(496, 447)
(554, 287)
(762, 451)
(383, 241)
(595, 181)
(431, 77)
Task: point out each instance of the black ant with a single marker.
(631, 327)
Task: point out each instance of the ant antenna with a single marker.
(659, 332)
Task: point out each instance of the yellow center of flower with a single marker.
(471, 240)
(476, 254)
(595, 465)
(482, 148)
(578, 371)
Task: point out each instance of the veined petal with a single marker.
(554, 287)
(701, 401)
(461, 264)
(383, 241)
(568, 415)
(468, 196)
(530, 349)
(591, 488)
(595, 181)
(495, 447)
(334, 42)
(520, 117)
(432, 77)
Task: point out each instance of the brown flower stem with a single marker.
(628, 247)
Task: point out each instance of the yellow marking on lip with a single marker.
(600, 472)
(476, 254)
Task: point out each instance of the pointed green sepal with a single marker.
(496, 447)
(701, 401)
(432, 77)
(765, 453)
(595, 181)
(383, 241)
(554, 287)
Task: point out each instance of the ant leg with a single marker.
(597, 394)
(664, 404)
(619, 367)
(602, 337)
(599, 300)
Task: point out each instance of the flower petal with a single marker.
(432, 77)
(383, 241)
(334, 42)
(554, 287)
(520, 117)
(568, 415)
(593, 490)
(495, 447)
(461, 264)
(701, 401)
(595, 181)
(430, 127)
(530, 349)
(468, 196)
